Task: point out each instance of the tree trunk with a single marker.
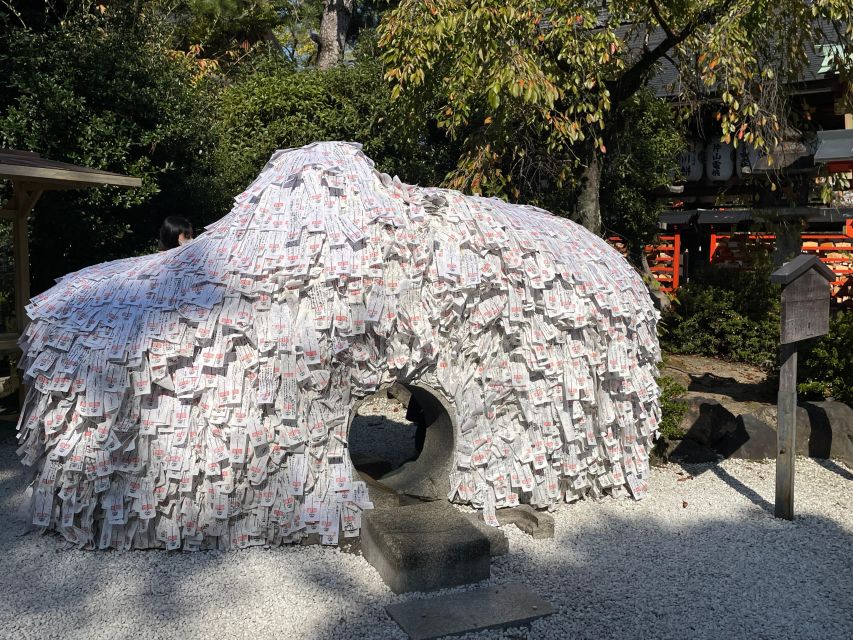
(334, 25)
(589, 206)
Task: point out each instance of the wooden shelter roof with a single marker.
(29, 167)
(31, 175)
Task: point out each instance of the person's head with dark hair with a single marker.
(175, 231)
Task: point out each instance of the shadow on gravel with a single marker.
(829, 465)
(155, 593)
(621, 574)
(748, 493)
(640, 578)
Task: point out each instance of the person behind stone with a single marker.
(175, 231)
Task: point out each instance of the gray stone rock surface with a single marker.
(424, 546)
(831, 430)
(752, 440)
(428, 474)
(707, 421)
(401, 393)
(537, 524)
(498, 542)
(493, 607)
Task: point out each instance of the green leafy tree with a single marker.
(531, 88)
(101, 90)
(643, 149)
(227, 29)
(273, 106)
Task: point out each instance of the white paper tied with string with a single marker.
(199, 397)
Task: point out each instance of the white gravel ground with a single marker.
(701, 557)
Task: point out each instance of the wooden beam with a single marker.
(59, 176)
(22, 270)
(25, 196)
(8, 342)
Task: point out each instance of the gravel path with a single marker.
(701, 557)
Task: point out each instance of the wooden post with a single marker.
(22, 269)
(786, 434)
(805, 314)
(25, 197)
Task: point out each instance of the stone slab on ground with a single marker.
(497, 607)
(424, 546)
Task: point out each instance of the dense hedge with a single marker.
(98, 92)
(826, 364)
(734, 315)
(727, 313)
(104, 91)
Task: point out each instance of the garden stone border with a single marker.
(824, 430)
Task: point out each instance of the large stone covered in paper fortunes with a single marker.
(200, 397)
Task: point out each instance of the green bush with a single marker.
(672, 407)
(826, 364)
(729, 313)
(106, 92)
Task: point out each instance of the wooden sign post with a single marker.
(806, 289)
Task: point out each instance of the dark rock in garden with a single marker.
(498, 542)
(311, 539)
(659, 455)
(689, 451)
(707, 421)
(753, 439)
(814, 437)
(831, 430)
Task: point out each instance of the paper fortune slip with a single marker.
(200, 397)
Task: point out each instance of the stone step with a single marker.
(424, 546)
(496, 607)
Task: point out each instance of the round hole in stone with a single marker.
(409, 451)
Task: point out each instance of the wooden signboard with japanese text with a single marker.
(805, 308)
(806, 289)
